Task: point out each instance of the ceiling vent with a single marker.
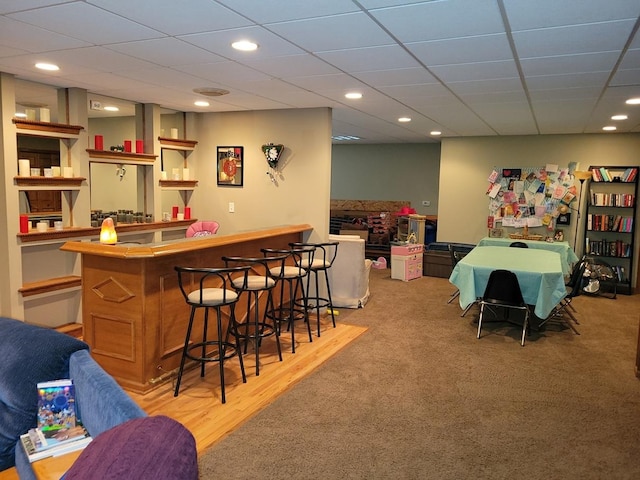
(211, 92)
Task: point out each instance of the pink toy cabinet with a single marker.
(406, 261)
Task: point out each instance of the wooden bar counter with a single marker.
(133, 314)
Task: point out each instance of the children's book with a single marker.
(56, 407)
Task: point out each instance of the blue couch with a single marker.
(32, 354)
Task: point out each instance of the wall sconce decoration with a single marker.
(108, 235)
(272, 154)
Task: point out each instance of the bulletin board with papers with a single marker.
(531, 197)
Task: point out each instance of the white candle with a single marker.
(45, 115)
(174, 133)
(56, 171)
(42, 226)
(48, 172)
(24, 167)
(163, 175)
(67, 172)
(185, 174)
(175, 174)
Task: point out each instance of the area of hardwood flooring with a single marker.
(198, 405)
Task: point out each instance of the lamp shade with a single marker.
(108, 235)
(582, 175)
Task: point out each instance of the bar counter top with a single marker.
(134, 250)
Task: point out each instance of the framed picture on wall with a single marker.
(230, 166)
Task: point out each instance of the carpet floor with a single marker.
(417, 396)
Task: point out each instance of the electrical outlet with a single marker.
(232, 207)
(426, 203)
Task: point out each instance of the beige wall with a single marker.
(301, 194)
(467, 162)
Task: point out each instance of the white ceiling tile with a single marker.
(35, 39)
(476, 71)
(596, 37)
(396, 77)
(565, 64)
(441, 20)
(290, 65)
(176, 18)
(384, 57)
(484, 48)
(167, 51)
(550, 82)
(87, 23)
(269, 11)
(350, 30)
(527, 15)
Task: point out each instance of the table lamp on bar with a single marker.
(108, 235)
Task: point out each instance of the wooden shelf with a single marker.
(36, 128)
(179, 184)
(60, 182)
(73, 232)
(50, 285)
(108, 156)
(177, 144)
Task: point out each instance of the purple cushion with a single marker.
(156, 447)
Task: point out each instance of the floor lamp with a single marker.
(582, 176)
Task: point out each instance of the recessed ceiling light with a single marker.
(201, 103)
(619, 117)
(111, 108)
(20, 115)
(633, 101)
(435, 133)
(245, 45)
(353, 95)
(404, 119)
(47, 66)
(609, 128)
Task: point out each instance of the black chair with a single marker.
(574, 288)
(254, 285)
(323, 258)
(457, 252)
(213, 289)
(503, 291)
(519, 245)
(291, 272)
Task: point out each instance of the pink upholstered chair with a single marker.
(201, 229)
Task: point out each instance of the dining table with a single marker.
(567, 255)
(540, 275)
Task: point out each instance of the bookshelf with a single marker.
(610, 222)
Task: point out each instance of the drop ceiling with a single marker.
(463, 67)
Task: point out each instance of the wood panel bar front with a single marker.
(133, 314)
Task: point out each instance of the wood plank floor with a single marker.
(198, 405)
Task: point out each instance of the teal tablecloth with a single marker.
(567, 254)
(539, 273)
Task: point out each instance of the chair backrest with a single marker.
(295, 263)
(503, 288)
(192, 279)
(458, 252)
(202, 229)
(519, 245)
(259, 277)
(575, 282)
(324, 253)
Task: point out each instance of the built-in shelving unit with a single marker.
(610, 223)
(177, 144)
(57, 183)
(47, 129)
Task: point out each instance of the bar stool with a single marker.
(323, 258)
(291, 273)
(213, 291)
(255, 328)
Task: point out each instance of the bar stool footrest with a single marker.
(229, 351)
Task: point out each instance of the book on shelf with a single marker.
(37, 446)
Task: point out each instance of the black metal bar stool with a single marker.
(255, 284)
(208, 288)
(291, 272)
(321, 262)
